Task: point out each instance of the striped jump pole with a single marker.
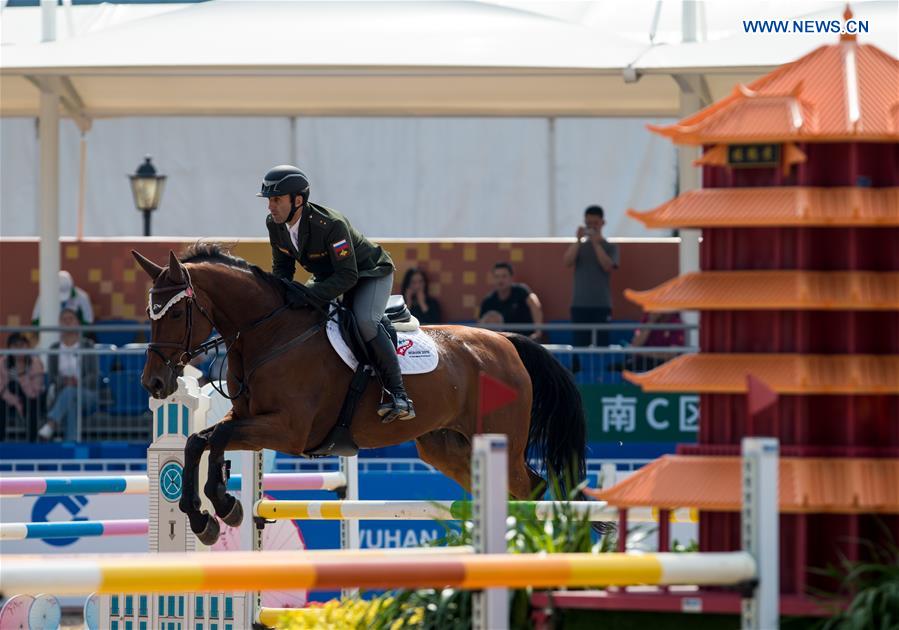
(64, 486)
(139, 484)
(593, 511)
(74, 529)
(286, 570)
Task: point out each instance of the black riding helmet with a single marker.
(285, 180)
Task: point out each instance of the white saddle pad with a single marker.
(416, 351)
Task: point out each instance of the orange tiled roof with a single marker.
(776, 206)
(755, 290)
(834, 484)
(784, 373)
(840, 92)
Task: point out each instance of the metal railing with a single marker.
(120, 409)
(112, 406)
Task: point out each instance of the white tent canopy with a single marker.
(384, 58)
(233, 57)
(759, 53)
(346, 58)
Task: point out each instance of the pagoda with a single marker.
(798, 295)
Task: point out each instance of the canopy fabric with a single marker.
(342, 58)
(388, 58)
(765, 51)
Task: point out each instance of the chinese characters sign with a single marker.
(753, 155)
(622, 412)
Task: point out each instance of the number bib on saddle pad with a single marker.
(416, 351)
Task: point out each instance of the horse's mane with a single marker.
(219, 254)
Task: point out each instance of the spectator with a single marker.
(70, 297)
(647, 338)
(514, 301)
(22, 385)
(593, 259)
(415, 292)
(71, 375)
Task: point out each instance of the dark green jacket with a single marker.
(335, 253)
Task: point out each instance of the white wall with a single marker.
(394, 177)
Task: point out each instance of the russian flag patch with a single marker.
(341, 248)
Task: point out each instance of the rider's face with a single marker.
(279, 207)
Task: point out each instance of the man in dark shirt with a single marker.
(593, 258)
(513, 300)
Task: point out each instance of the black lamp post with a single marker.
(146, 186)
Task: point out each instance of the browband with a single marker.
(157, 311)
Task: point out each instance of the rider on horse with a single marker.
(342, 262)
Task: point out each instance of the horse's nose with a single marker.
(154, 385)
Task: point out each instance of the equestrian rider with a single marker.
(342, 262)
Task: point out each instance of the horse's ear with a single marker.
(176, 269)
(153, 270)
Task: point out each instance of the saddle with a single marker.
(339, 440)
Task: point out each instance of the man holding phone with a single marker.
(593, 259)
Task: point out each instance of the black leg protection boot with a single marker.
(383, 354)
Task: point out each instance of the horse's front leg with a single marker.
(227, 507)
(249, 434)
(202, 524)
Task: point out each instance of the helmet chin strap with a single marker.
(293, 208)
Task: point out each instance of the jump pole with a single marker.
(760, 525)
(173, 420)
(17, 487)
(349, 530)
(490, 492)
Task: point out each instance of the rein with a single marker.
(185, 290)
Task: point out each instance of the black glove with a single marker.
(295, 294)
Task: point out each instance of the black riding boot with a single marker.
(383, 355)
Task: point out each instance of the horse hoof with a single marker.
(235, 517)
(210, 534)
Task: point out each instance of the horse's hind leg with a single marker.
(449, 452)
(524, 483)
(538, 483)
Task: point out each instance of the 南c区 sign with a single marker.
(627, 413)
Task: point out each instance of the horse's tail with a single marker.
(558, 433)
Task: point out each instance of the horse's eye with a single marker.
(177, 314)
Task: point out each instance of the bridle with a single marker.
(157, 312)
(187, 353)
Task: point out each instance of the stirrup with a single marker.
(397, 408)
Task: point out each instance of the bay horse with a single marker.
(288, 384)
